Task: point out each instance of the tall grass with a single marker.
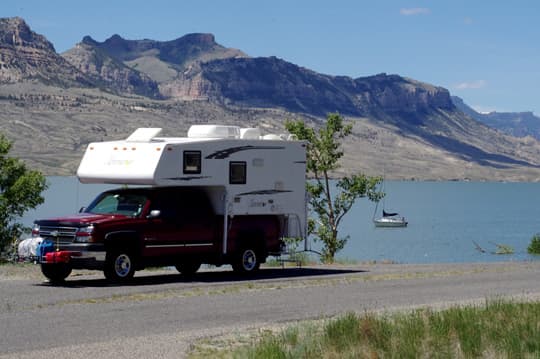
(497, 329)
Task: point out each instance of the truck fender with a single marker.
(123, 256)
(253, 239)
(123, 239)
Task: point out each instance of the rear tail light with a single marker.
(84, 234)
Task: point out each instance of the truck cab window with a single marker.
(192, 162)
(118, 203)
(237, 172)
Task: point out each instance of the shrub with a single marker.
(20, 190)
(534, 246)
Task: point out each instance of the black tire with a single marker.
(55, 272)
(188, 268)
(247, 261)
(119, 266)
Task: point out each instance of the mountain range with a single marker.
(54, 104)
(518, 124)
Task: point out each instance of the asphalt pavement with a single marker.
(160, 314)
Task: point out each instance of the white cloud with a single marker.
(414, 11)
(472, 85)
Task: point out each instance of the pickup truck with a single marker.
(125, 230)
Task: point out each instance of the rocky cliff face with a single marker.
(173, 66)
(27, 56)
(110, 73)
(399, 95)
(272, 82)
(15, 32)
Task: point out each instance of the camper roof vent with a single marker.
(213, 131)
(281, 136)
(143, 135)
(250, 133)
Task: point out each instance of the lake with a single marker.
(446, 219)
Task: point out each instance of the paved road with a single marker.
(161, 313)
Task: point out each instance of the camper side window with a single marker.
(237, 172)
(192, 162)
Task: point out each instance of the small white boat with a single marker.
(390, 220)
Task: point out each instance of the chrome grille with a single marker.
(60, 234)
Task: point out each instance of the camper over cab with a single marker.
(221, 195)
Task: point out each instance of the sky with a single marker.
(486, 52)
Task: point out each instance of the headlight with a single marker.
(84, 234)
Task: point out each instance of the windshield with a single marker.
(127, 204)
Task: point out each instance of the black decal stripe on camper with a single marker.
(186, 178)
(264, 191)
(219, 155)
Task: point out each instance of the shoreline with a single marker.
(412, 179)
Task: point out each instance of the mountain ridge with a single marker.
(104, 90)
(107, 72)
(518, 124)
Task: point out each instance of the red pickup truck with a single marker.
(125, 230)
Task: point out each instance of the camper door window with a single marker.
(237, 172)
(192, 162)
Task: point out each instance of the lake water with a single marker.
(446, 219)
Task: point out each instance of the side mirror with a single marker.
(155, 213)
(82, 209)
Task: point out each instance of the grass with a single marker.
(497, 329)
(294, 260)
(20, 271)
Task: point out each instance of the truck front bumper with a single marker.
(78, 256)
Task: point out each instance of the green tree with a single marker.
(20, 190)
(323, 155)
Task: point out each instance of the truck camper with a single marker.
(221, 195)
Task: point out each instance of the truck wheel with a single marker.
(188, 268)
(119, 266)
(55, 272)
(246, 262)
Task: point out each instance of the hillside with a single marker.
(53, 105)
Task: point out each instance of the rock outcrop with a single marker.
(272, 82)
(173, 66)
(27, 56)
(109, 73)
